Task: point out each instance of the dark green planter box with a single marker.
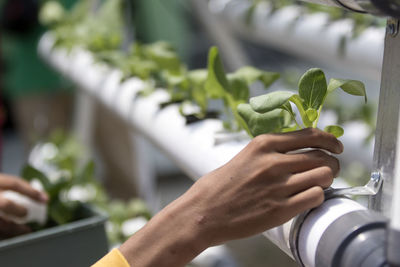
(80, 243)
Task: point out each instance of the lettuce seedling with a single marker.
(273, 112)
(97, 31)
(189, 88)
(233, 88)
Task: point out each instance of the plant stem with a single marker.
(317, 119)
(294, 119)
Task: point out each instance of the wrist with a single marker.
(172, 238)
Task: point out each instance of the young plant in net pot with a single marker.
(273, 112)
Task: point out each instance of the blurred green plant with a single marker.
(96, 29)
(68, 177)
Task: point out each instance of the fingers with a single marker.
(10, 229)
(305, 200)
(8, 182)
(9, 207)
(322, 177)
(305, 138)
(296, 163)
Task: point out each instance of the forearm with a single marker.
(171, 238)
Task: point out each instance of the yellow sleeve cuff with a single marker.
(113, 259)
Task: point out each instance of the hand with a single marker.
(8, 207)
(260, 188)
(263, 186)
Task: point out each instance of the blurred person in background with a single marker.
(40, 100)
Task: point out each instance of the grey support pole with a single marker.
(386, 129)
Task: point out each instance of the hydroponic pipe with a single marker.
(340, 232)
(376, 7)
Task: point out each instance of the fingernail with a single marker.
(341, 147)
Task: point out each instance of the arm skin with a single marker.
(8, 182)
(260, 188)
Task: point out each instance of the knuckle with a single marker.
(318, 195)
(335, 166)
(327, 176)
(13, 183)
(276, 165)
(314, 132)
(319, 154)
(262, 141)
(16, 184)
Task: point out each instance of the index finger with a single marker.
(8, 182)
(306, 138)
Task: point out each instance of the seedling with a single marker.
(273, 112)
(97, 31)
(233, 88)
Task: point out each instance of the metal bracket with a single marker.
(370, 189)
(393, 27)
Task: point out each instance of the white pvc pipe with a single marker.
(311, 36)
(317, 222)
(191, 147)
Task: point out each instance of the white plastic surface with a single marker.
(317, 222)
(131, 226)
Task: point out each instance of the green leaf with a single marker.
(86, 174)
(197, 80)
(313, 88)
(312, 114)
(296, 99)
(351, 87)
(141, 68)
(176, 80)
(217, 84)
(271, 101)
(337, 131)
(61, 212)
(258, 123)
(30, 173)
(164, 55)
(197, 77)
(198, 94)
(239, 89)
(55, 188)
(288, 107)
(251, 74)
(200, 97)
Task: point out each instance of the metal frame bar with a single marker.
(386, 129)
